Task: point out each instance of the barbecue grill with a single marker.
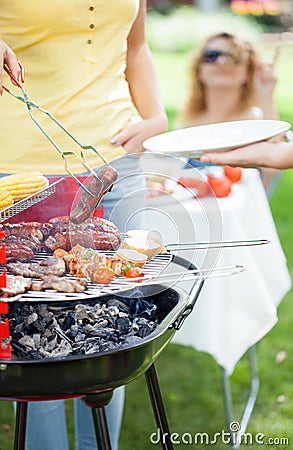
(93, 377)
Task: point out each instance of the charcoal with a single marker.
(51, 344)
(120, 305)
(37, 340)
(131, 340)
(34, 354)
(64, 349)
(123, 325)
(30, 319)
(68, 321)
(145, 327)
(27, 341)
(52, 331)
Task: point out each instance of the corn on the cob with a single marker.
(6, 199)
(22, 185)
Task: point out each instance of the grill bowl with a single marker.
(83, 374)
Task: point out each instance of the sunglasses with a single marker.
(211, 56)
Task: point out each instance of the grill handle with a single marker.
(193, 292)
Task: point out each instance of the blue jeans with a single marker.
(46, 427)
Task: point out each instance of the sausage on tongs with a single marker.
(87, 200)
(97, 184)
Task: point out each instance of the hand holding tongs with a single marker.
(102, 181)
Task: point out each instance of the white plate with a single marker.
(219, 137)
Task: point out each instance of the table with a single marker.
(233, 313)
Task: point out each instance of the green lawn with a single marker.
(191, 381)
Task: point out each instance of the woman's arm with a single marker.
(278, 155)
(8, 57)
(144, 89)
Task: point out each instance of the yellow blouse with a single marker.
(74, 53)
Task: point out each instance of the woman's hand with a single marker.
(8, 57)
(132, 138)
(265, 81)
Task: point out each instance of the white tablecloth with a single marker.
(232, 313)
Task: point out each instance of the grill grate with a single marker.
(152, 268)
(26, 203)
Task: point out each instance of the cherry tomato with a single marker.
(103, 275)
(233, 173)
(220, 185)
(200, 187)
(134, 272)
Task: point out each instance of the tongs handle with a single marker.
(215, 244)
(12, 77)
(64, 154)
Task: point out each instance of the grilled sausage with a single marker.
(18, 252)
(97, 233)
(87, 203)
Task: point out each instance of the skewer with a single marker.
(189, 275)
(215, 244)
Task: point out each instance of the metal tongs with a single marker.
(64, 154)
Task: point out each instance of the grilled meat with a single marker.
(87, 203)
(18, 252)
(97, 233)
(16, 285)
(49, 266)
(59, 284)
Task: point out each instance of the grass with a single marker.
(190, 380)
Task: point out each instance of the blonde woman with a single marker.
(229, 82)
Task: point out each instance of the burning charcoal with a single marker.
(68, 321)
(106, 333)
(145, 327)
(102, 323)
(131, 340)
(80, 337)
(51, 344)
(64, 349)
(48, 320)
(113, 310)
(44, 353)
(72, 332)
(27, 341)
(34, 354)
(19, 328)
(16, 335)
(37, 325)
(30, 319)
(102, 347)
(37, 340)
(42, 310)
(81, 312)
(123, 325)
(120, 305)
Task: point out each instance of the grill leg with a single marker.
(97, 403)
(158, 407)
(20, 425)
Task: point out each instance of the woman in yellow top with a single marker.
(87, 63)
